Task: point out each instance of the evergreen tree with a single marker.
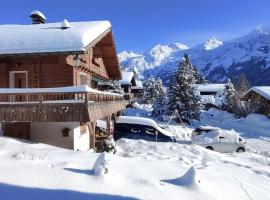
(199, 79)
(198, 76)
(152, 90)
(230, 96)
(183, 95)
(160, 104)
(242, 85)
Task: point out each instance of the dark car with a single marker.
(141, 128)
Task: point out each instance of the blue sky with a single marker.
(140, 24)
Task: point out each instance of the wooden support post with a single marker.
(92, 131)
(108, 120)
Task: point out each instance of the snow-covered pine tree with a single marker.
(152, 88)
(160, 104)
(199, 79)
(230, 103)
(183, 95)
(242, 85)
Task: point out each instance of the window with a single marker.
(84, 79)
(94, 84)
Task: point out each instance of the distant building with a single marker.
(260, 95)
(130, 84)
(212, 95)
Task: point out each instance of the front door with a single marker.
(20, 82)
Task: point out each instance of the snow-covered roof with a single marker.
(49, 37)
(142, 121)
(139, 85)
(126, 78)
(36, 12)
(211, 87)
(71, 89)
(214, 100)
(207, 127)
(262, 90)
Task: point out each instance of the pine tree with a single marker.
(198, 76)
(183, 95)
(160, 104)
(152, 89)
(230, 96)
(242, 85)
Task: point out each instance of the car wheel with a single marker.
(210, 148)
(240, 150)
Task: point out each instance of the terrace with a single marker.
(66, 104)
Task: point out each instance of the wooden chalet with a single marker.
(260, 96)
(48, 76)
(130, 85)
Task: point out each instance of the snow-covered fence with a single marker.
(66, 104)
(75, 94)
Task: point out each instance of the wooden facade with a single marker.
(58, 70)
(98, 62)
(262, 103)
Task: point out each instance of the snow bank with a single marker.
(137, 173)
(101, 166)
(211, 99)
(258, 120)
(189, 179)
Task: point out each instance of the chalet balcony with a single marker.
(66, 104)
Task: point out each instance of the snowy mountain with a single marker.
(158, 55)
(212, 43)
(217, 60)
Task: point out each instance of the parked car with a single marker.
(223, 141)
(141, 128)
(203, 129)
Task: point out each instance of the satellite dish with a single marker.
(37, 17)
(65, 24)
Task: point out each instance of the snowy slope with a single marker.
(217, 60)
(140, 170)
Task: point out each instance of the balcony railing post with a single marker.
(86, 97)
(40, 99)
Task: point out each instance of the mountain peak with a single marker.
(265, 30)
(212, 43)
(125, 55)
(178, 46)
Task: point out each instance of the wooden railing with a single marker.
(63, 97)
(58, 105)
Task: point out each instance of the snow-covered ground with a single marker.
(142, 169)
(254, 128)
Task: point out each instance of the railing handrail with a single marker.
(41, 97)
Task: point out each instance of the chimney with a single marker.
(37, 17)
(65, 24)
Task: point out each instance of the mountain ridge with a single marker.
(217, 60)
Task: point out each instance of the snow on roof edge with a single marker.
(49, 37)
(262, 90)
(71, 89)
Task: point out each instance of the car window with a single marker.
(150, 130)
(222, 139)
